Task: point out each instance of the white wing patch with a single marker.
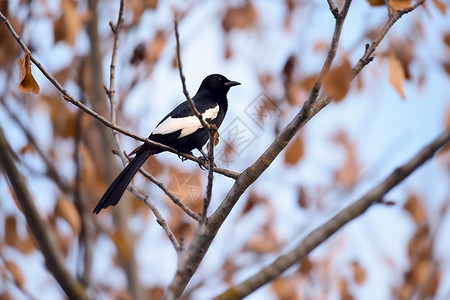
(187, 125)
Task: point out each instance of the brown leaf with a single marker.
(14, 269)
(285, 288)
(253, 200)
(306, 266)
(399, 4)
(415, 208)
(429, 288)
(302, 198)
(396, 74)
(240, 17)
(359, 274)
(66, 210)
(27, 82)
(343, 289)
(216, 140)
(294, 152)
(155, 292)
(156, 46)
(376, 2)
(66, 28)
(441, 6)
(337, 81)
(12, 238)
(122, 245)
(350, 171)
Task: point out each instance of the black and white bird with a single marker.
(180, 129)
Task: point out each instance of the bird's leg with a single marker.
(203, 159)
(182, 157)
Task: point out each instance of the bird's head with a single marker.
(217, 84)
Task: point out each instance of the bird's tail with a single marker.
(115, 191)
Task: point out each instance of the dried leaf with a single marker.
(441, 6)
(359, 274)
(66, 210)
(285, 288)
(12, 238)
(306, 266)
(376, 2)
(27, 82)
(122, 245)
(302, 198)
(216, 140)
(155, 292)
(350, 171)
(396, 74)
(66, 28)
(156, 46)
(415, 208)
(337, 81)
(14, 269)
(240, 17)
(294, 152)
(138, 54)
(343, 289)
(399, 4)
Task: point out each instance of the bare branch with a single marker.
(100, 118)
(159, 218)
(322, 233)
(183, 79)
(200, 243)
(38, 226)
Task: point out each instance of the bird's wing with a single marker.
(185, 121)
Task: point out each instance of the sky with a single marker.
(387, 130)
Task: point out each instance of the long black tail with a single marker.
(115, 191)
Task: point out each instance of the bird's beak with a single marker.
(232, 83)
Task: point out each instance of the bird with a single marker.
(181, 129)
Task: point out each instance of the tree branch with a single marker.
(95, 115)
(38, 227)
(200, 243)
(322, 233)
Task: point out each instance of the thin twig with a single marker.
(159, 218)
(100, 118)
(322, 233)
(183, 79)
(200, 243)
(52, 172)
(209, 186)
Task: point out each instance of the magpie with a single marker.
(180, 129)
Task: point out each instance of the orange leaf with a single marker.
(122, 245)
(396, 74)
(240, 17)
(350, 171)
(359, 274)
(376, 2)
(69, 24)
(294, 152)
(156, 46)
(441, 6)
(27, 82)
(12, 238)
(415, 208)
(337, 81)
(66, 209)
(216, 140)
(399, 4)
(12, 267)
